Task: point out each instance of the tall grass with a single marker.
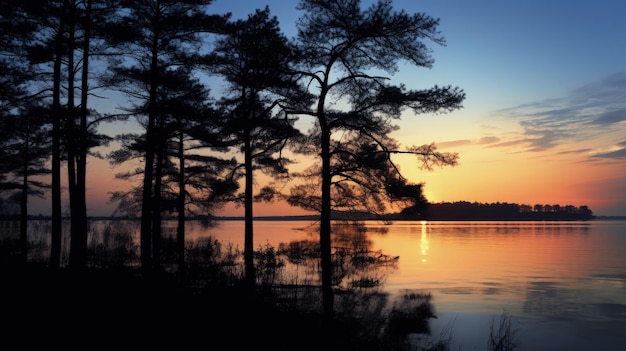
(503, 337)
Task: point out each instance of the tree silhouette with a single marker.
(155, 37)
(190, 129)
(57, 44)
(253, 59)
(41, 27)
(58, 48)
(191, 125)
(16, 31)
(16, 160)
(364, 180)
(85, 18)
(191, 178)
(343, 50)
(25, 153)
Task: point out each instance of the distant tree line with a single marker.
(464, 210)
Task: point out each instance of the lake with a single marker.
(563, 284)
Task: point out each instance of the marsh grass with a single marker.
(503, 337)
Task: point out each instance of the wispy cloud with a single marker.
(611, 117)
(488, 140)
(614, 154)
(619, 152)
(453, 143)
(578, 151)
(589, 112)
(508, 143)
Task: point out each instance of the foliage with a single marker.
(269, 263)
(253, 58)
(113, 248)
(26, 151)
(344, 49)
(212, 263)
(344, 53)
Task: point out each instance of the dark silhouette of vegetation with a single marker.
(154, 38)
(55, 45)
(253, 58)
(112, 298)
(38, 33)
(344, 49)
(56, 42)
(25, 152)
(464, 210)
(192, 179)
(504, 337)
(157, 54)
(476, 211)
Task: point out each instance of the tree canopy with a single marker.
(344, 52)
(195, 148)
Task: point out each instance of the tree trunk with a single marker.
(156, 205)
(325, 217)
(180, 229)
(81, 152)
(57, 235)
(77, 253)
(146, 200)
(148, 175)
(250, 277)
(24, 213)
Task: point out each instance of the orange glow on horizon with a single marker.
(483, 175)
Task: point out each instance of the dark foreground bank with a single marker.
(40, 308)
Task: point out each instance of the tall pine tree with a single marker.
(344, 49)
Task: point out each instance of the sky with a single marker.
(544, 120)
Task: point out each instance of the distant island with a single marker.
(464, 211)
(476, 211)
(442, 211)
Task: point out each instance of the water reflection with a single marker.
(424, 242)
(567, 277)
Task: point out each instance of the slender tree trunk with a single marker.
(56, 236)
(77, 256)
(24, 213)
(156, 206)
(325, 215)
(325, 229)
(146, 203)
(250, 276)
(180, 229)
(81, 171)
(148, 175)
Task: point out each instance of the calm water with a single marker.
(562, 283)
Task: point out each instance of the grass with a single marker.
(503, 337)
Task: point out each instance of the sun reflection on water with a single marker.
(424, 242)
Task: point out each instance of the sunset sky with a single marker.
(544, 120)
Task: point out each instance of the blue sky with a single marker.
(544, 120)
